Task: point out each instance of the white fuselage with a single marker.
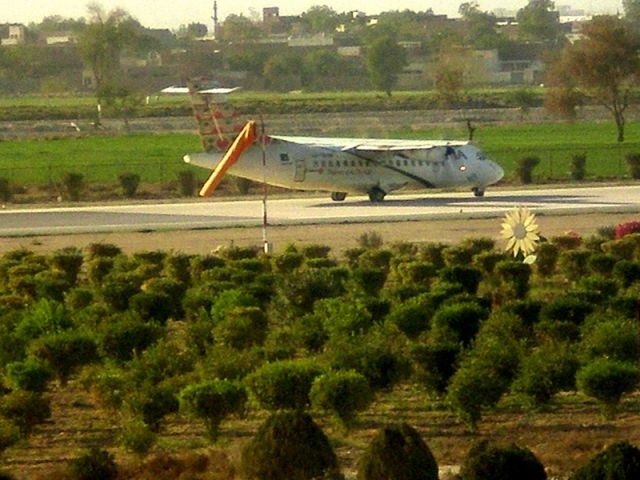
(316, 167)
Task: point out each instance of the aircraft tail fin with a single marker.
(218, 123)
(244, 140)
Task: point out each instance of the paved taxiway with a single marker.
(295, 211)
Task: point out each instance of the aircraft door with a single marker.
(301, 171)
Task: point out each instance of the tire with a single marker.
(376, 195)
(338, 196)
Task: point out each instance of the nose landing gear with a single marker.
(376, 195)
(478, 192)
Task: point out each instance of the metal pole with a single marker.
(265, 242)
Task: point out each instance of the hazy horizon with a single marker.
(166, 14)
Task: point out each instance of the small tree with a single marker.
(212, 402)
(578, 166)
(65, 352)
(342, 393)
(619, 461)
(283, 384)
(525, 167)
(397, 453)
(487, 461)
(25, 409)
(73, 184)
(289, 445)
(94, 464)
(384, 59)
(129, 183)
(633, 162)
(5, 190)
(607, 381)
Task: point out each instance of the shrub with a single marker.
(117, 289)
(315, 251)
(65, 352)
(436, 363)
(212, 401)
(525, 167)
(137, 437)
(25, 409)
(614, 338)
(122, 337)
(578, 166)
(149, 305)
(340, 317)
(627, 228)
(9, 436)
(94, 464)
(601, 263)
(241, 328)
(369, 280)
(129, 183)
(370, 240)
(283, 384)
(29, 374)
(514, 276)
(633, 162)
(561, 317)
(342, 393)
(289, 445)
(73, 184)
(397, 453)
(573, 263)
(373, 355)
(5, 190)
(153, 403)
(288, 262)
(187, 183)
(549, 369)
(607, 381)
(468, 277)
(69, 261)
(487, 461)
(101, 250)
(619, 461)
(628, 272)
(460, 319)
(411, 316)
(547, 256)
(457, 255)
(417, 273)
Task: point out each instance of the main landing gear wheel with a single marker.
(376, 194)
(478, 192)
(338, 196)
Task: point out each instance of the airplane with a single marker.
(340, 166)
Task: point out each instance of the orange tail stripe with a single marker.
(243, 141)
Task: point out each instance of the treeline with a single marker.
(210, 337)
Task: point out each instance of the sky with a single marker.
(173, 13)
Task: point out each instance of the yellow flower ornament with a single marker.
(520, 230)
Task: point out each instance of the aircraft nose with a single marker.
(498, 172)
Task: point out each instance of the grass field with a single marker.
(158, 157)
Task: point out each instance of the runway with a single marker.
(216, 214)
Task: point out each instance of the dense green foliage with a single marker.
(289, 445)
(487, 461)
(620, 460)
(156, 334)
(397, 453)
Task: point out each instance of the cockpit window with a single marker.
(480, 156)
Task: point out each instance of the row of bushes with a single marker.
(526, 166)
(290, 445)
(155, 333)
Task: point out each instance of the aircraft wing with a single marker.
(368, 145)
(177, 89)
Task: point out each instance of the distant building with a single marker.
(60, 38)
(17, 35)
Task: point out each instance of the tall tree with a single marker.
(481, 26)
(604, 65)
(385, 59)
(320, 19)
(539, 20)
(632, 13)
(237, 28)
(103, 40)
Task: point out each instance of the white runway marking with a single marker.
(221, 214)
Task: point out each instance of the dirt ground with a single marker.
(339, 236)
